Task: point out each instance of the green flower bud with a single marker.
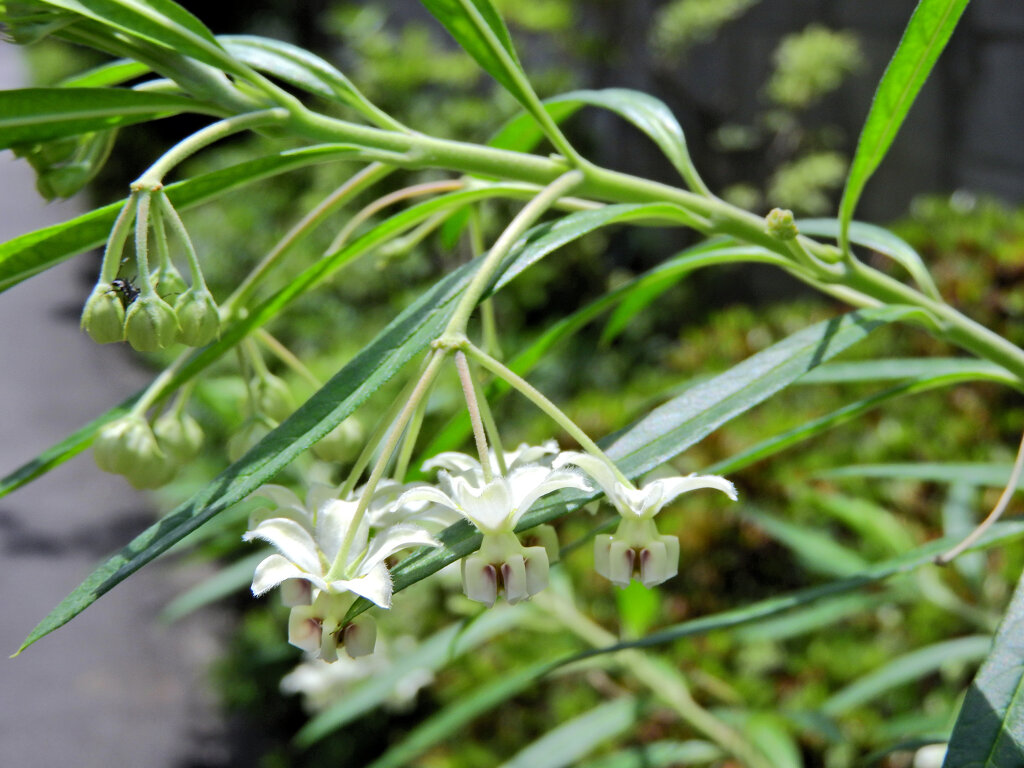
(251, 433)
(128, 447)
(780, 225)
(198, 317)
(273, 397)
(178, 435)
(103, 315)
(150, 324)
(168, 281)
(342, 444)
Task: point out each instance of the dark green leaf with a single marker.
(647, 113)
(478, 28)
(34, 252)
(926, 35)
(305, 70)
(989, 732)
(109, 74)
(34, 115)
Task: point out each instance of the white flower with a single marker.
(469, 467)
(637, 549)
(307, 553)
(502, 563)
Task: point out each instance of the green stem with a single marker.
(546, 406)
(518, 226)
(469, 392)
(391, 442)
(154, 175)
(412, 433)
(285, 356)
(195, 269)
(370, 175)
(366, 456)
(491, 427)
(142, 244)
(118, 236)
(156, 388)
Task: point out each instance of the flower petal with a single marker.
(453, 461)
(274, 569)
(332, 525)
(374, 585)
(291, 540)
(393, 539)
(593, 466)
(660, 492)
(489, 508)
(552, 481)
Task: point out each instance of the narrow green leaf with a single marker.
(981, 473)
(659, 754)
(874, 523)
(158, 22)
(671, 428)
(901, 368)
(432, 654)
(644, 111)
(811, 618)
(817, 551)
(478, 28)
(447, 722)
(34, 252)
(989, 732)
(305, 70)
(906, 669)
(881, 241)
(33, 115)
(570, 741)
(926, 35)
(112, 73)
(959, 517)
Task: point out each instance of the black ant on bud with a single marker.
(126, 290)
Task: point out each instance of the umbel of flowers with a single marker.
(328, 554)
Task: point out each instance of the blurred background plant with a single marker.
(813, 688)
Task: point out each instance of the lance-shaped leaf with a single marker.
(158, 22)
(33, 115)
(926, 35)
(649, 114)
(989, 732)
(305, 70)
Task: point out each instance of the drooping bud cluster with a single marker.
(161, 309)
(148, 456)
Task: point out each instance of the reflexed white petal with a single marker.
(553, 481)
(291, 540)
(525, 453)
(388, 508)
(391, 540)
(332, 524)
(428, 493)
(489, 508)
(593, 466)
(454, 462)
(374, 585)
(285, 504)
(274, 569)
(661, 492)
(281, 496)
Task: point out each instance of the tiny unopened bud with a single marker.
(150, 324)
(128, 447)
(342, 444)
(168, 281)
(178, 435)
(273, 397)
(103, 315)
(198, 317)
(779, 224)
(250, 433)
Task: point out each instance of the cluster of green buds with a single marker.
(148, 455)
(143, 313)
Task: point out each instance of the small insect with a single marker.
(126, 289)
